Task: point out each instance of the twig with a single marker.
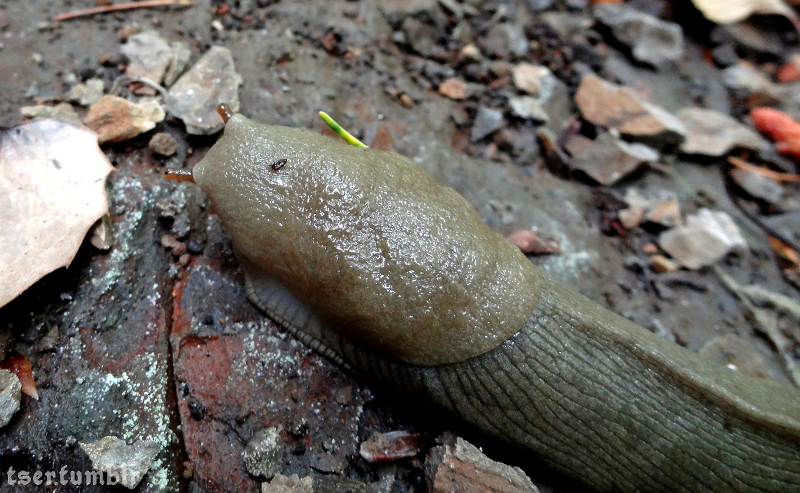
(765, 321)
(121, 6)
(739, 163)
(126, 79)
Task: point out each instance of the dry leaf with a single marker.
(21, 367)
(784, 251)
(727, 11)
(52, 189)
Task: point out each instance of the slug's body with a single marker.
(364, 257)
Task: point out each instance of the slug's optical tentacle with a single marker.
(340, 131)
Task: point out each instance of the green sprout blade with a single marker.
(340, 131)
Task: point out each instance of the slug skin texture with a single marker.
(362, 256)
(369, 242)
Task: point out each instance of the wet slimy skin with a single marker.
(361, 255)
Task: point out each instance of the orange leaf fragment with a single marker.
(780, 127)
(530, 242)
(21, 366)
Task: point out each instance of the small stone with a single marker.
(453, 88)
(504, 41)
(758, 186)
(527, 77)
(530, 242)
(707, 237)
(288, 484)
(660, 264)
(163, 144)
(528, 108)
(725, 55)
(86, 94)
(746, 78)
(651, 40)
(460, 466)
(117, 120)
(711, 133)
(263, 455)
(384, 447)
(328, 463)
(195, 96)
(148, 56)
(472, 52)
(660, 207)
(181, 53)
(608, 158)
(613, 106)
(10, 393)
(420, 37)
(128, 463)
(338, 484)
(737, 354)
(487, 121)
(63, 112)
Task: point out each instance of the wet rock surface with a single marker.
(10, 394)
(155, 339)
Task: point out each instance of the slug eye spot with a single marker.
(278, 164)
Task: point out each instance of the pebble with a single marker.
(530, 242)
(263, 455)
(86, 94)
(129, 463)
(527, 77)
(460, 466)
(385, 447)
(181, 53)
(613, 106)
(650, 39)
(744, 77)
(660, 207)
(63, 111)
(116, 119)
(528, 108)
(10, 394)
(420, 37)
(163, 144)
(707, 237)
(504, 41)
(288, 484)
(608, 158)
(758, 186)
(453, 88)
(149, 55)
(328, 463)
(711, 133)
(195, 96)
(487, 121)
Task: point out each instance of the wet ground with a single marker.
(141, 344)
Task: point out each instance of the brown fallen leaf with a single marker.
(728, 11)
(52, 189)
(530, 242)
(20, 365)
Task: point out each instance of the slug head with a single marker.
(369, 242)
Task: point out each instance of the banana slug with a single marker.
(361, 255)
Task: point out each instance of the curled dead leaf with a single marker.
(728, 11)
(52, 189)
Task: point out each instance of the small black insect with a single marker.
(278, 164)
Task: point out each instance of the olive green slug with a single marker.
(361, 255)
